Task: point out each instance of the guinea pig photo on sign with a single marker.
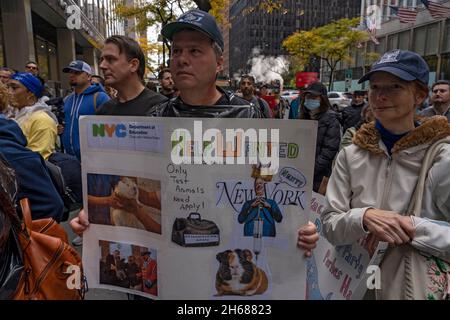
(239, 275)
(137, 205)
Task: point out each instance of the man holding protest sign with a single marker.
(123, 64)
(197, 47)
(196, 60)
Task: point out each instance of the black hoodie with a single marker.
(32, 176)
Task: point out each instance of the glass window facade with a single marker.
(42, 57)
(403, 40)
(445, 67)
(431, 46)
(392, 42)
(47, 59)
(420, 35)
(446, 44)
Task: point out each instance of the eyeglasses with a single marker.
(31, 67)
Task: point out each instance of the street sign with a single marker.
(348, 79)
(349, 74)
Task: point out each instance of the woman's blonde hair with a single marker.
(4, 97)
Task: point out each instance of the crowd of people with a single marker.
(367, 158)
(136, 272)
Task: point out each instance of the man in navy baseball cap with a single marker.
(197, 20)
(405, 65)
(196, 59)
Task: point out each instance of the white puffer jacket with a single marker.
(365, 176)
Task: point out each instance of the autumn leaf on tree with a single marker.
(331, 43)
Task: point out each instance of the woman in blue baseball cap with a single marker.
(35, 118)
(373, 180)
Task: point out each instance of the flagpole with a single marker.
(363, 86)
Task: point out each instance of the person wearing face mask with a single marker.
(316, 106)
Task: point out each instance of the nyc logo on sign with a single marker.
(109, 130)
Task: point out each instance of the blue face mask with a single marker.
(312, 104)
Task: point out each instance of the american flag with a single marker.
(405, 15)
(372, 30)
(437, 10)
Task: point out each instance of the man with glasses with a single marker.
(32, 68)
(440, 99)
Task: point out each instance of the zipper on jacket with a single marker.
(387, 184)
(47, 268)
(388, 166)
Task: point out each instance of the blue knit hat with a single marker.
(33, 84)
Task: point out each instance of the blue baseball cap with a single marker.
(78, 65)
(403, 64)
(32, 83)
(198, 20)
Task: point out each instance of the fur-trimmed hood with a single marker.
(430, 130)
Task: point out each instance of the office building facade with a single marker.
(253, 28)
(37, 30)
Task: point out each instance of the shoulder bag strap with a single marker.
(415, 204)
(95, 101)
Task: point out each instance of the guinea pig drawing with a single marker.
(238, 275)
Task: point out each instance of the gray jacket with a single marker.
(430, 111)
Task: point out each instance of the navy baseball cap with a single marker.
(78, 65)
(197, 20)
(403, 64)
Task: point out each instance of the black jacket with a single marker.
(351, 116)
(228, 106)
(327, 145)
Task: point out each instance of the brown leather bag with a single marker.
(46, 257)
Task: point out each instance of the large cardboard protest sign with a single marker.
(196, 208)
(341, 272)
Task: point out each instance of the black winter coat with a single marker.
(327, 146)
(351, 116)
